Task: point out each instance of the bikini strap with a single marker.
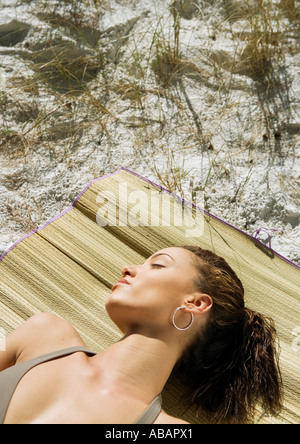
(152, 412)
(10, 378)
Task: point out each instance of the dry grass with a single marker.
(167, 61)
(25, 215)
(291, 9)
(11, 143)
(72, 75)
(64, 69)
(172, 175)
(262, 37)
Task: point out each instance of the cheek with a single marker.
(154, 292)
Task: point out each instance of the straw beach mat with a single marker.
(68, 267)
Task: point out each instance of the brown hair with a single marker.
(233, 364)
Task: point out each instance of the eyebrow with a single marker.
(161, 254)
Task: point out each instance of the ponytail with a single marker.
(232, 365)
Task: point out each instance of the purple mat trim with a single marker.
(254, 239)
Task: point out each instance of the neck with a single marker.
(138, 364)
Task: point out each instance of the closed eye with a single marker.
(157, 265)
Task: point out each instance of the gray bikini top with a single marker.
(10, 378)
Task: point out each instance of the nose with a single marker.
(129, 270)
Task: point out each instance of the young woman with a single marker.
(183, 310)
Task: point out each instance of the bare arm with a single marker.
(9, 352)
(17, 341)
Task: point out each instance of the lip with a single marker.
(120, 282)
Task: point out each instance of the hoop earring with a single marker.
(176, 326)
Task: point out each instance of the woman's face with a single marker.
(148, 294)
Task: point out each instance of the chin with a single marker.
(116, 308)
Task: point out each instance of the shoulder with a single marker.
(44, 333)
(46, 325)
(164, 418)
(42, 320)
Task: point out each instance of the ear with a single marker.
(198, 303)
